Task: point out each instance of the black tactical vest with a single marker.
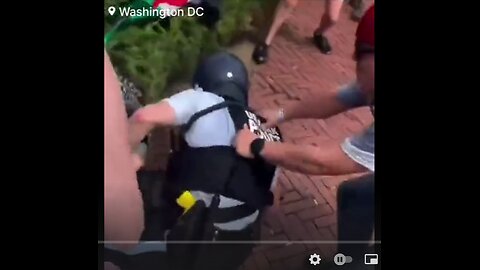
(219, 169)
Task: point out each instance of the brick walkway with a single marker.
(296, 68)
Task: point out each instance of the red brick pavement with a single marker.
(307, 210)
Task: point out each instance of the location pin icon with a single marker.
(111, 10)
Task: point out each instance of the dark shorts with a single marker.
(356, 214)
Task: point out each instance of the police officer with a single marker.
(229, 191)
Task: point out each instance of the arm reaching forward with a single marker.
(326, 159)
(123, 211)
(173, 111)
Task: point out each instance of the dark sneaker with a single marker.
(355, 4)
(357, 15)
(260, 53)
(358, 11)
(322, 43)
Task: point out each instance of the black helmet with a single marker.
(225, 75)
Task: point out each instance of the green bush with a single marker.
(110, 20)
(154, 58)
(237, 19)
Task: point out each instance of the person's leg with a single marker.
(160, 208)
(358, 9)
(329, 19)
(356, 206)
(284, 9)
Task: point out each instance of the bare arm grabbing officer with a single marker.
(123, 205)
(355, 154)
(355, 198)
(123, 213)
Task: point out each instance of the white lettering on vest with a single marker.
(254, 124)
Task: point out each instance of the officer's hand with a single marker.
(243, 141)
(273, 117)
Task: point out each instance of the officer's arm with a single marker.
(325, 159)
(175, 110)
(326, 104)
(147, 118)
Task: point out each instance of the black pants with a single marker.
(356, 215)
(161, 213)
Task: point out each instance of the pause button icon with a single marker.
(341, 259)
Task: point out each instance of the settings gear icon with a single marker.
(314, 259)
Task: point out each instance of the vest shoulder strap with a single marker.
(199, 114)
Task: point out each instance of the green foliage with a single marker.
(237, 19)
(110, 20)
(136, 52)
(154, 58)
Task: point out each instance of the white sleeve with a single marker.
(184, 104)
(361, 148)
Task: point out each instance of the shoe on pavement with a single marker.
(322, 43)
(260, 53)
(355, 4)
(358, 12)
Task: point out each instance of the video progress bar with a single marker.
(283, 242)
